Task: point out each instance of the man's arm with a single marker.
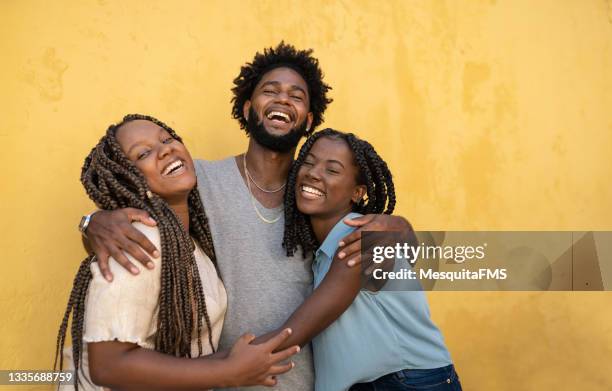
(127, 366)
(328, 301)
(111, 233)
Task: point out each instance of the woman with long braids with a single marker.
(159, 330)
(362, 340)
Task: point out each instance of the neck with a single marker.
(268, 168)
(181, 209)
(322, 225)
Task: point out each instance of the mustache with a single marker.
(284, 143)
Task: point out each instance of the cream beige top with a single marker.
(126, 309)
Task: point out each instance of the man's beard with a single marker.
(282, 144)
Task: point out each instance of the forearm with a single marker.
(302, 331)
(144, 369)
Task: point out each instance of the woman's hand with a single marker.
(111, 233)
(257, 365)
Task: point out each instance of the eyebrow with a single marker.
(161, 130)
(328, 160)
(277, 84)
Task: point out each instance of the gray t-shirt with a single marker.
(263, 285)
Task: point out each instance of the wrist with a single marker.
(85, 221)
(229, 374)
(219, 372)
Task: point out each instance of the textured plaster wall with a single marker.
(492, 115)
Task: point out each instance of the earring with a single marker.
(149, 194)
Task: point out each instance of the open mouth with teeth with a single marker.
(279, 117)
(311, 193)
(175, 168)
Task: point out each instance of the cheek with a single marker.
(183, 150)
(259, 103)
(300, 175)
(302, 109)
(344, 191)
(149, 171)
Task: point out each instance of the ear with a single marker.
(358, 193)
(245, 109)
(309, 122)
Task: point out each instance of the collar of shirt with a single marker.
(330, 244)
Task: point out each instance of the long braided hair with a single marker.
(373, 172)
(112, 181)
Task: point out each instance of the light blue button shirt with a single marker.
(380, 333)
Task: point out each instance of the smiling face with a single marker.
(279, 109)
(164, 161)
(326, 185)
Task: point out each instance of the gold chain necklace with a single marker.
(248, 174)
(253, 201)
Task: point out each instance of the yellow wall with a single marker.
(492, 114)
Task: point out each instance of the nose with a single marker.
(282, 97)
(164, 150)
(313, 173)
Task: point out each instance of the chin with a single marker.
(185, 184)
(277, 132)
(176, 196)
(177, 190)
(307, 209)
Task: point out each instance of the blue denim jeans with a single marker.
(438, 379)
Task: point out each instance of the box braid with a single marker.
(112, 181)
(373, 172)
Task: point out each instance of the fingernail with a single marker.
(108, 278)
(351, 263)
(298, 349)
(341, 243)
(341, 254)
(134, 270)
(153, 221)
(292, 364)
(289, 331)
(150, 265)
(156, 254)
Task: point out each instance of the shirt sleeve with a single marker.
(125, 309)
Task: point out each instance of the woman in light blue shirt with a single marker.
(362, 339)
